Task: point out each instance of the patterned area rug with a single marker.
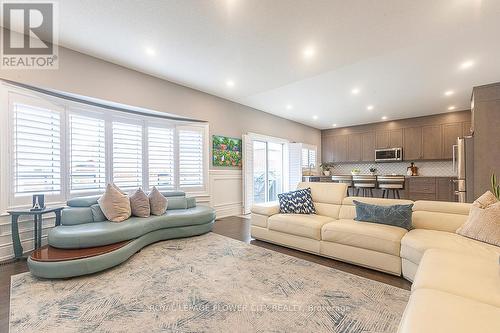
(208, 283)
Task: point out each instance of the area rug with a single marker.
(208, 283)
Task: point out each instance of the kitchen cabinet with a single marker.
(412, 143)
(431, 188)
(432, 142)
(340, 148)
(327, 149)
(445, 190)
(389, 139)
(368, 147)
(450, 134)
(354, 147)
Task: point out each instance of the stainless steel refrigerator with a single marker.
(463, 165)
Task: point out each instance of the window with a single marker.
(64, 149)
(161, 157)
(190, 158)
(127, 155)
(36, 150)
(308, 158)
(87, 153)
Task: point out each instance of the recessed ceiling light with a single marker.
(150, 51)
(369, 107)
(230, 83)
(309, 52)
(467, 64)
(453, 107)
(315, 117)
(355, 91)
(449, 92)
(289, 106)
(334, 125)
(384, 118)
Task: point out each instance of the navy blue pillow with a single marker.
(297, 202)
(395, 215)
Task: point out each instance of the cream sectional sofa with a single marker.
(446, 268)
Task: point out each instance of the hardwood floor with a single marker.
(234, 227)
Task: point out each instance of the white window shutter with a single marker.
(127, 155)
(87, 153)
(191, 157)
(36, 150)
(312, 158)
(161, 157)
(247, 161)
(305, 157)
(296, 155)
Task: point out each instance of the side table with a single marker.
(37, 226)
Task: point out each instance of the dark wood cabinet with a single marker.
(389, 139)
(340, 148)
(450, 134)
(412, 143)
(354, 142)
(327, 149)
(445, 190)
(368, 147)
(432, 142)
(431, 188)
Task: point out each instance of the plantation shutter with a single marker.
(295, 166)
(305, 157)
(312, 157)
(36, 150)
(190, 157)
(247, 174)
(87, 162)
(161, 157)
(127, 155)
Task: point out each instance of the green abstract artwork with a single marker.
(226, 152)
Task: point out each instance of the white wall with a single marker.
(92, 77)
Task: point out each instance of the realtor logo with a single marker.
(29, 35)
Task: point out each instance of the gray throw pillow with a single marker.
(395, 215)
(157, 202)
(139, 202)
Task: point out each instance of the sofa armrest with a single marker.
(267, 208)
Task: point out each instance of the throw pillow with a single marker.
(297, 202)
(139, 202)
(395, 215)
(157, 202)
(483, 223)
(114, 204)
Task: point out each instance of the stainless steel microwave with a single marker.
(389, 154)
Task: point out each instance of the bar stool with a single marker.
(366, 183)
(344, 179)
(391, 183)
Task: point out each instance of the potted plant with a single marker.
(325, 167)
(372, 171)
(495, 187)
(355, 172)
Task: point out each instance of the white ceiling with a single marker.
(401, 54)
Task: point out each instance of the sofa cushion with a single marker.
(157, 202)
(483, 223)
(329, 193)
(296, 202)
(299, 224)
(97, 214)
(104, 233)
(76, 215)
(266, 208)
(460, 274)
(348, 209)
(395, 215)
(115, 204)
(436, 311)
(417, 241)
(438, 215)
(370, 236)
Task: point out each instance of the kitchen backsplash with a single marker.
(429, 168)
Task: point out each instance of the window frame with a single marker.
(10, 95)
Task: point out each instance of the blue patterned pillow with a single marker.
(395, 215)
(297, 202)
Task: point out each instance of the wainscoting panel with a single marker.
(226, 192)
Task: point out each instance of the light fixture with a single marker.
(309, 52)
(449, 92)
(230, 83)
(384, 118)
(150, 51)
(355, 91)
(453, 107)
(467, 64)
(289, 106)
(315, 117)
(369, 107)
(334, 125)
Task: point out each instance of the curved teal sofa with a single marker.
(83, 225)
